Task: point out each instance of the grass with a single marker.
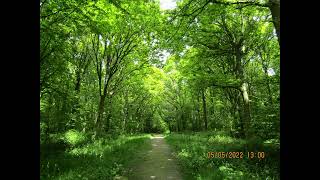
(104, 158)
(191, 150)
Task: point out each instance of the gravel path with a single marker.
(158, 163)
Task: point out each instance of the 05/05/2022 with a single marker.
(236, 155)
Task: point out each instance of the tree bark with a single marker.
(126, 111)
(241, 124)
(243, 89)
(246, 109)
(204, 105)
(109, 113)
(78, 83)
(199, 114)
(177, 120)
(274, 6)
(269, 92)
(100, 113)
(268, 88)
(265, 69)
(193, 119)
(183, 120)
(212, 109)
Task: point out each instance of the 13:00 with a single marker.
(259, 155)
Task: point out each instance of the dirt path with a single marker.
(158, 163)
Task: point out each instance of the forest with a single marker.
(127, 86)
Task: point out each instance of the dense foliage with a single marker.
(113, 68)
(196, 164)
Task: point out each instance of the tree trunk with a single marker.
(100, 113)
(246, 109)
(76, 103)
(183, 121)
(204, 105)
(126, 111)
(241, 124)
(148, 125)
(269, 93)
(274, 6)
(268, 86)
(212, 110)
(177, 120)
(244, 88)
(265, 69)
(109, 113)
(78, 83)
(199, 114)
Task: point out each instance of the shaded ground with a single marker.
(103, 158)
(156, 163)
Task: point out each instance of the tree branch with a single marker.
(245, 3)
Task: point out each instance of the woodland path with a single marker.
(158, 163)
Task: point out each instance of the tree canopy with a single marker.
(112, 67)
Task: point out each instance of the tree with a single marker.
(192, 9)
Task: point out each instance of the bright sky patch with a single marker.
(167, 4)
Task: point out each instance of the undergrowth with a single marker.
(73, 156)
(191, 150)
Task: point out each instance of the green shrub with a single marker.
(101, 159)
(191, 151)
(74, 138)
